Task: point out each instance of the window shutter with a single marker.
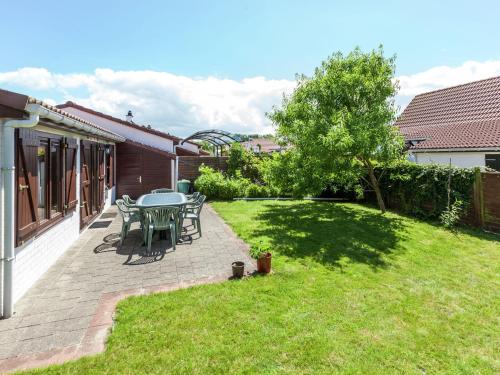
(71, 148)
(111, 166)
(27, 189)
(102, 174)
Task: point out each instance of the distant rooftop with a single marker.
(463, 116)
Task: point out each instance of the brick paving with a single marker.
(68, 312)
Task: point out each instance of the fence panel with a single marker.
(189, 165)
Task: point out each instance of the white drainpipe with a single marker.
(8, 203)
(176, 171)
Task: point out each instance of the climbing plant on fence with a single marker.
(422, 190)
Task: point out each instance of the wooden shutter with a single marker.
(102, 174)
(27, 186)
(85, 199)
(111, 166)
(71, 148)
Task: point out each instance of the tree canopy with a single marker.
(339, 122)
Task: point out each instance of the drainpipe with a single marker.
(176, 172)
(8, 203)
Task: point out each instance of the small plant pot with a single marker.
(264, 263)
(238, 269)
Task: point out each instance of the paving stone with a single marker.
(60, 308)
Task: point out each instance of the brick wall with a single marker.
(189, 165)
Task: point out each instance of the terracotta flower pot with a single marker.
(238, 269)
(264, 263)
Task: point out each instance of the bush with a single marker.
(243, 162)
(215, 185)
(450, 217)
(257, 191)
(426, 190)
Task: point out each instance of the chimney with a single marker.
(129, 116)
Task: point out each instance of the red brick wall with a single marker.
(189, 165)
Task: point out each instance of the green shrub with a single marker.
(215, 185)
(426, 190)
(257, 191)
(450, 217)
(244, 162)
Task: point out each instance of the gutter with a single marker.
(463, 149)
(72, 123)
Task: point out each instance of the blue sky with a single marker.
(228, 41)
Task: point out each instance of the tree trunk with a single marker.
(374, 183)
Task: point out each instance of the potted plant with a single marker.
(263, 256)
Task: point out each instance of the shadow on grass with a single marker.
(329, 233)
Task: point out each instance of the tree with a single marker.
(339, 122)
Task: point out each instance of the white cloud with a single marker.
(174, 103)
(181, 104)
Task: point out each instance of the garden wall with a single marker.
(189, 165)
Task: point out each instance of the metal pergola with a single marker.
(217, 138)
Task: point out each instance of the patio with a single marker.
(68, 312)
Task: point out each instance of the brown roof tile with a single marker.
(464, 116)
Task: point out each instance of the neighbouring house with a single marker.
(262, 145)
(147, 159)
(58, 175)
(458, 125)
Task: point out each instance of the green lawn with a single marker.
(352, 292)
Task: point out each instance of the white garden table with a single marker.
(161, 200)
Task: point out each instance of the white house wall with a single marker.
(128, 132)
(458, 159)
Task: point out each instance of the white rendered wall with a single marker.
(458, 159)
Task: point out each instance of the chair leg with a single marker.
(150, 238)
(173, 235)
(123, 234)
(198, 226)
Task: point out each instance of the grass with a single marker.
(353, 292)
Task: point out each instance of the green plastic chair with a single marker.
(193, 197)
(160, 218)
(129, 201)
(129, 216)
(192, 212)
(162, 190)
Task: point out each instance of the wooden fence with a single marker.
(189, 165)
(485, 209)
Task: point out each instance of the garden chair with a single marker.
(162, 190)
(129, 216)
(193, 197)
(128, 201)
(160, 218)
(192, 212)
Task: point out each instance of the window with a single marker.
(55, 177)
(46, 178)
(492, 161)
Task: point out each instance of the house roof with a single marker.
(460, 117)
(123, 122)
(266, 145)
(14, 105)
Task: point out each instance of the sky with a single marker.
(190, 65)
